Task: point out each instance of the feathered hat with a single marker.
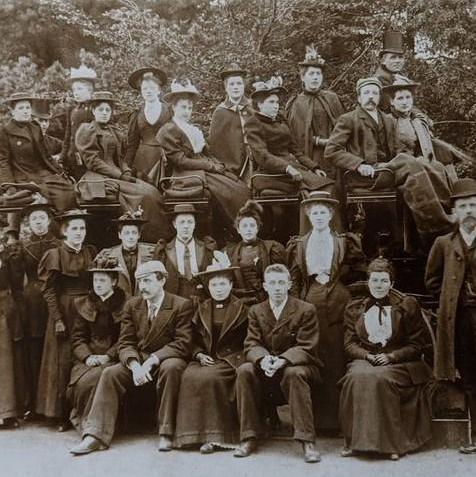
(266, 88)
(105, 263)
(179, 89)
(221, 265)
(312, 58)
(83, 73)
(131, 217)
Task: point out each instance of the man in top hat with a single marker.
(40, 112)
(227, 136)
(281, 350)
(451, 276)
(82, 81)
(185, 255)
(313, 113)
(154, 346)
(130, 253)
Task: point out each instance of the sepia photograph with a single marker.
(237, 238)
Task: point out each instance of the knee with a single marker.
(172, 367)
(245, 372)
(294, 373)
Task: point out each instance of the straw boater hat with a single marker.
(74, 214)
(184, 209)
(392, 42)
(20, 96)
(221, 265)
(103, 97)
(464, 188)
(132, 217)
(148, 72)
(312, 58)
(366, 81)
(400, 82)
(147, 268)
(266, 88)
(83, 73)
(178, 90)
(320, 197)
(233, 70)
(106, 264)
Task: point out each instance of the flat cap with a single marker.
(366, 81)
(150, 267)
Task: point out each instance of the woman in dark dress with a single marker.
(207, 413)
(100, 146)
(187, 153)
(320, 262)
(143, 151)
(252, 255)
(384, 406)
(63, 272)
(95, 333)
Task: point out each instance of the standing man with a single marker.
(82, 82)
(185, 255)
(227, 138)
(281, 350)
(130, 253)
(154, 346)
(451, 275)
(312, 114)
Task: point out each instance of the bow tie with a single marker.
(129, 252)
(380, 304)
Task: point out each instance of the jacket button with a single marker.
(454, 277)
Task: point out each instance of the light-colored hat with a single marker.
(319, 196)
(312, 58)
(178, 89)
(21, 96)
(106, 263)
(131, 217)
(83, 73)
(221, 264)
(147, 268)
(266, 88)
(366, 81)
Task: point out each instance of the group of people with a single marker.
(220, 333)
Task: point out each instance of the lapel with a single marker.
(199, 254)
(457, 246)
(12, 128)
(233, 314)
(205, 316)
(301, 252)
(337, 255)
(117, 252)
(424, 138)
(286, 315)
(367, 120)
(171, 253)
(162, 318)
(141, 319)
(186, 144)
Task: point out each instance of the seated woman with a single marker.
(320, 263)
(187, 153)
(207, 412)
(24, 156)
(94, 337)
(100, 147)
(384, 407)
(252, 255)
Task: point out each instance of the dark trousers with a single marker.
(116, 381)
(295, 384)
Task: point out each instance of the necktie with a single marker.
(152, 311)
(187, 267)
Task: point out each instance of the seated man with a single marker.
(130, 252)
(154, 346)
(185, 255)
(281, 347)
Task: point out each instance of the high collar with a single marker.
(72, 249)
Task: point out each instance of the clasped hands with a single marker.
(141, 373)
(271, 364)
(97, 360)
(380, 359)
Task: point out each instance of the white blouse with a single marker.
(194, 134)
(152, 112)
(319, 253)
(378, 332)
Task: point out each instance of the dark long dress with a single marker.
(142, 152)
(95, 331)
(330, 301)
(207, 402)
(63, 272)
(385, 408)
(253, 260)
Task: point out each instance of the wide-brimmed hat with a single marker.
(183, 209)
(146, 268)
(392, 42)
(366, 81)
(45, 206)
(221, 265)
(106, 264)
(181, 89)
(312, 58)
(132, 217)
(103, 97)
(83, 73)
(400, 82)
(135, 79)
(462, 188)
(318, 197)
(21, 96)
(233, 70)
(266, 88)
(74, 214)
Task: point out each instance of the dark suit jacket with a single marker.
(354, 140)
(229, 346)
(168, 335)
(295, 336)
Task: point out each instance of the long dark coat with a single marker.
(211, 389)
(24, 158)
(226, 137)
(444, 278)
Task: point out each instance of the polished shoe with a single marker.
(207, 448)
(64, 426)
(9, 423)
(394, 456)
(165, 444)
(311, 454)
(245, 448)
(468, 449)
(87, 445)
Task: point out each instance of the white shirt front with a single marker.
(152, 112)
(194, 134)
(378, 332)
(468, 238)
(153, 308)
(180, 253)
(319, 253)
(277, 310)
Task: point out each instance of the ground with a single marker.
(35, 451)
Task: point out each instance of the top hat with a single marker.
(135, 79)
(178, 89)
(132, 217)
(103, 97)
(392, 42)
(106, 264)
(221, 265)
(464, 188)
(266, 88)
(73, 214)
(400, 82)
(312, 58)
(40, 108)
(83, 73)
(184, 209)
(233, 70)
(318, 197)
(21, 96)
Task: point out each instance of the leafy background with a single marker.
(40, 40)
